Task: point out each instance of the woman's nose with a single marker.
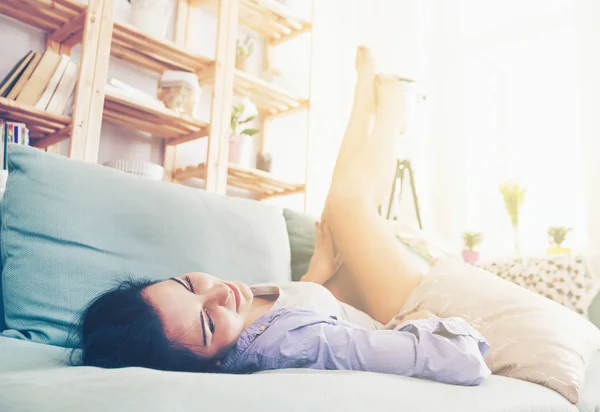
(218, 294)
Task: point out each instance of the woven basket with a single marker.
(138, 168)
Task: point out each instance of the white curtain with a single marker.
(508, 94)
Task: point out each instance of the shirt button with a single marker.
(262, 328)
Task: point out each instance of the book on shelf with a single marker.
(12, 133)
(14, 74)
(47, 94)
(38, 82)
(46, 81)
(68, 111)
(66, 87)
(24, 77)
(128, 92)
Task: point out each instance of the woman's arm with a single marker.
(443, 350)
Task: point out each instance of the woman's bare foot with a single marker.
(390, 102)
(364, 96)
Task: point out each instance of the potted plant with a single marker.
(556, 237)
(244, 49)
(514, 194)
(472, 240)
(242, 113)
(152, 16)
(263, 161)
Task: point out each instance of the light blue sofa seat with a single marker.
(59, 387)
(37, 376)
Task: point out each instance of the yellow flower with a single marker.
(513, 194)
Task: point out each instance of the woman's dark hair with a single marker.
(120, 328)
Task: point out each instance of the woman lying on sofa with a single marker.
(334, 319)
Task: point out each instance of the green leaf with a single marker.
(248, 120)
(250, 132)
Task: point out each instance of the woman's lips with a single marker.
(236, 294)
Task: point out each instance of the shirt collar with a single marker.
(247, 337)
(266, 290)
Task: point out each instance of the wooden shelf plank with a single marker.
(41, 124)
(270, 99)
(257, 181)
(47, 15)
(174, 127)
(131, 44)
(272, 21)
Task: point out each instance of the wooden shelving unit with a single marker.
(68, 23)
(275, 25)
(269, 98)
(259, 182)
(267, 19)
(44, 128)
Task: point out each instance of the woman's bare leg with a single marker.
(379, 275)
(355, 137)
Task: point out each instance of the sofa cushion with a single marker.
(531, 337)
(53, 386)
(20, 355)
(589, 400)
(70, 230)
(302, 234)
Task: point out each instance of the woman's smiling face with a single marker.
(201, 312)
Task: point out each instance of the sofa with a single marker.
(69, 230)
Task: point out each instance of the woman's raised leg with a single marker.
(378, 269)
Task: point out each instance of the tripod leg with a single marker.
(393, 192)
(414, 195)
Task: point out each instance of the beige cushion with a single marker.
(531, 337)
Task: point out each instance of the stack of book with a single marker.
(45, 81)
(11, 132)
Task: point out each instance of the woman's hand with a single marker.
(324, 263)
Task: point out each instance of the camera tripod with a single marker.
(403, 167)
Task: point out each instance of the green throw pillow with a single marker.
(302, 234)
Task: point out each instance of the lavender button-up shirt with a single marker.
(444, 350)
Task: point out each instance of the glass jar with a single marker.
(179, 91)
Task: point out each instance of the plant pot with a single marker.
(557, 250)
(470, 256)
(263, 161)
(239, 148)
(241, 63)
(152, 16)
